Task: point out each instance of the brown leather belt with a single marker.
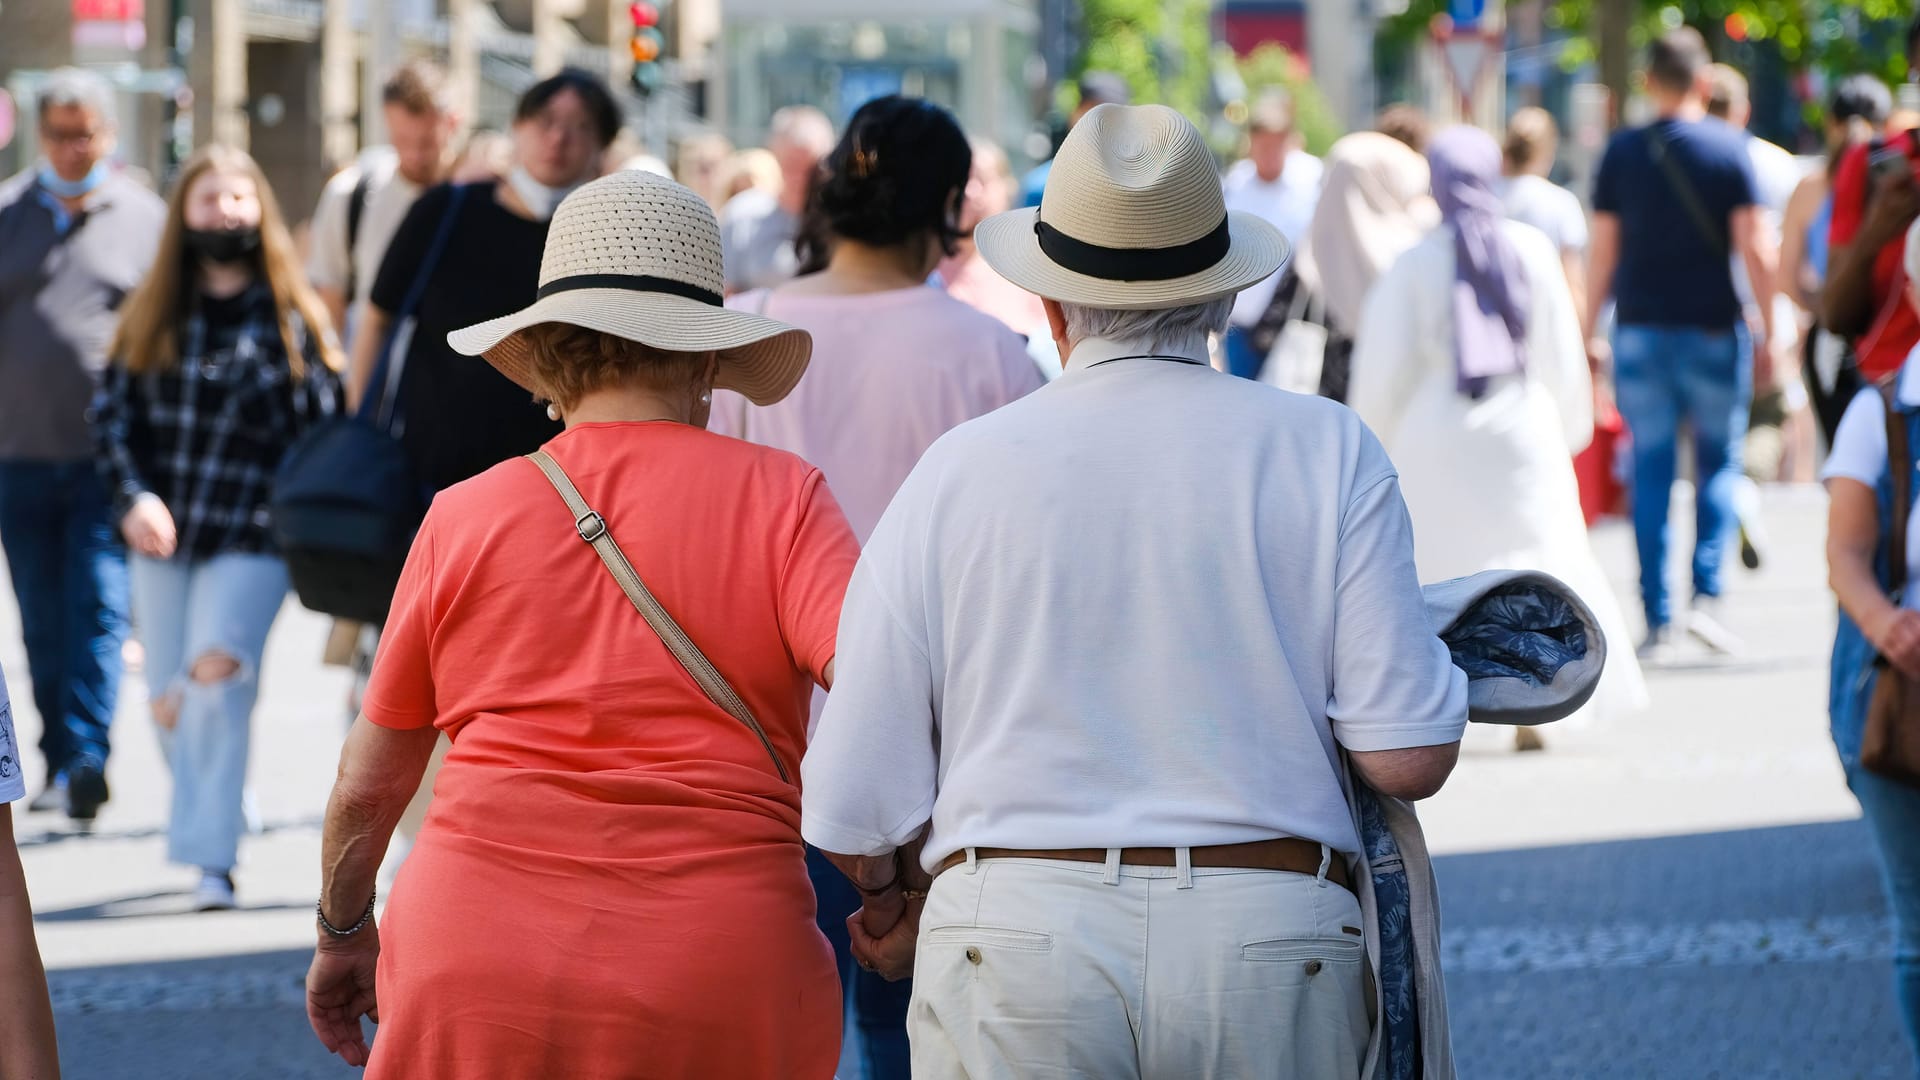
(1287, 853)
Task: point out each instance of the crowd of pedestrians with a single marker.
(946, 492)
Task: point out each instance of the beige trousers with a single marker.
(1032, 968)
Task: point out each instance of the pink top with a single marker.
(971, 281)
(891, 372)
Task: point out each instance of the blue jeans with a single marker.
(1892, 810)
(1664, 376)
(202, 609)
(877, 1007)
(69, 572)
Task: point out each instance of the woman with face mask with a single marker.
(459, 418)
(223, 357)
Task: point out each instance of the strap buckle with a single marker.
(591, 526)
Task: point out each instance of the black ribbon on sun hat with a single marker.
(632, 283)
(1134, 264)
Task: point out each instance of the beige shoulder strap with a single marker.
(593, 529)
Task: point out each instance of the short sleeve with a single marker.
(1573, 223)
(408, 250)
(13, 780)
(871, 770)
(813, 583)
(400, 692)
(1394, 683)
(1849, 197)
(328, 264)
(1860, 443)
(1745, 190)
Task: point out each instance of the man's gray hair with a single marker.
(803, 126)
(72, 87)
(1151, 329)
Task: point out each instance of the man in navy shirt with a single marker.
(1674, 203)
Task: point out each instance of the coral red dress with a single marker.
(610, 882)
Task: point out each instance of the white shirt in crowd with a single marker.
(1545, 205)
(1143, 606)
(1776, 172)
(1287, 203)
(389, 197)
(13, 777)
(1860, 453)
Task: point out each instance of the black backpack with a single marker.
(346, 503)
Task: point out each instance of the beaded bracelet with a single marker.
(320, 909)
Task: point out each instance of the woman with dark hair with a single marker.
(896, 363)
(462, 418)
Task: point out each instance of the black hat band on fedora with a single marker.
(632, 283)
(1134, 264)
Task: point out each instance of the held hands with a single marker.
(340, 991)
(1897, 636)
(149, 528)
(894, 892)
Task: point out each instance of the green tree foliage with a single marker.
(1274, 64)
(1837, 36)
(1160, 47)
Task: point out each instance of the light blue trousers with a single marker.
(189, 610)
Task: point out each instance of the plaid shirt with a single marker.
(207, 436)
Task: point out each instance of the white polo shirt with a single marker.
(1143, 606)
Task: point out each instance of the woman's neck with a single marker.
(631, 404)
(864, 268)
(223, 280)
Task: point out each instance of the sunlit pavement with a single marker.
(1687, 893)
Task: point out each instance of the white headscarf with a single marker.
(1374, 205)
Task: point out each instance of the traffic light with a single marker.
(645, 47)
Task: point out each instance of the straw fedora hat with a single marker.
(638, 256)
(1132, 219)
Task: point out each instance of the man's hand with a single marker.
(889, 955)
(1897, 636)
(149, 528)
(340, 991)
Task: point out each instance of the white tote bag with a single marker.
(1300, 351)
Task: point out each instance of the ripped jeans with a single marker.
(204, 624)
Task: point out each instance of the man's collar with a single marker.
(1093, 351)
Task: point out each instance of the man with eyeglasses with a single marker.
(76, 236)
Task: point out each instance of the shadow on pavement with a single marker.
(1751, 953)
(229, 1016)
(146, 905)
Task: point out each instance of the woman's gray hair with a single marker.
(72, 87)
(1151, 329)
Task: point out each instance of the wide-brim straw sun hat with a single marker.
(1132, 219)
(638, 256)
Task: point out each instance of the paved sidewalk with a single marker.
(1682, 894)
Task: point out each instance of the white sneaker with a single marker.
(1658, 648)
(1704, 625)
(214, 893)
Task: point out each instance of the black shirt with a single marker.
(207, 434)
(460, 417)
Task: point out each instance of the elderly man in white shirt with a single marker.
(1100, 661)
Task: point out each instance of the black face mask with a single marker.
(223, 245)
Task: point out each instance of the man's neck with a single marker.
(1679, 107)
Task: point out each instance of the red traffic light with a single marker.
(643, 14)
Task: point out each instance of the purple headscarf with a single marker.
(1490, 294)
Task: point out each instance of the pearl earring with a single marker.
(706, 397)
(553, 412)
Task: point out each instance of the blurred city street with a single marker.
(1687, 893)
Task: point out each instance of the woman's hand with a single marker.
(889, 955)
(149, 528)
(340, 992)
(1897, 636)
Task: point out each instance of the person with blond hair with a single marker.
(78, 236)
(222, 359)
(1527, 154)
(759, 225)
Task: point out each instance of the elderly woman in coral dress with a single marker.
(611, 880)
